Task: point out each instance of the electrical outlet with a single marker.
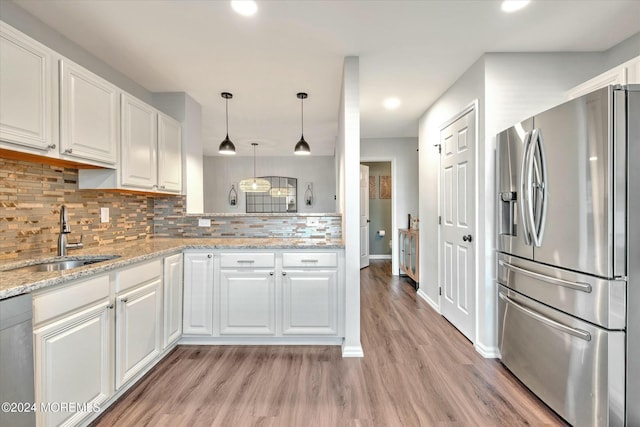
(204, 222)
(312, 222)
(104, 215)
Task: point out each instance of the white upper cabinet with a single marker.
(138, 160)
(623, 74)
(169, 154)
(27, 86)
(88, 115)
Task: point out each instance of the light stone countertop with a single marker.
(19, 282)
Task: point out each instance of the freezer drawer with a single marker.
(574, 367)
(593, 299)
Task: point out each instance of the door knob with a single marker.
(467, 238)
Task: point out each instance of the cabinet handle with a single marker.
(111, 306)
(209, 255)
(68, 150)
(51, 146)
(309, 260)
(249, 261)
(271, 273)
(125, 300)
(284, 273)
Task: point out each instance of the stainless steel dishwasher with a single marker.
(16, 362)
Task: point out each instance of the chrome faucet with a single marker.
(65, 229)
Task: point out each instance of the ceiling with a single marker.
(413, 50)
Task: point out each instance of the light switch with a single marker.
(104, 215)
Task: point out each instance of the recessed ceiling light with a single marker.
(513, 5)
(391, 103)
(244, 7)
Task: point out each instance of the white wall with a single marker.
(404, 193)
(348, 154)
(186, 110)
(221, 172)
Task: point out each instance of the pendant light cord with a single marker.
(226, 103)
(302, 115)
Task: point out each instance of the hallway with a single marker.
(417, 371)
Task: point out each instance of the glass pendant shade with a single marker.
(254, 185)
(226, 147)
(302, 147)
(278, 192)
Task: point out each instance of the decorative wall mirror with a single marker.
(281, 198)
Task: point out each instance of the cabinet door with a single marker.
(169, 154)
(138, 323)
(172, 299)
(26, 85)
(198, 294)
(72, 364)
(247, 302)
(139, 144)
(310, 305)
(88, 115)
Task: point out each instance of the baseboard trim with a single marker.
(487, 352)
(429, 301)
(379, 256)
(352, 351)
(261, 341)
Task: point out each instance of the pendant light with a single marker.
(226, 147)
(302, 147)
(254, 185)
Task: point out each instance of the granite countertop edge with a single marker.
(14, 283)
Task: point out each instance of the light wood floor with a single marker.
(418, 370)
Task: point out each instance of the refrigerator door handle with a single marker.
(522, 202)
(578, 286)
(579, 333)
(528, 190)
(542, 187)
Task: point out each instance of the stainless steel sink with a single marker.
(65, 264)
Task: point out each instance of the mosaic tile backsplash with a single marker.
(170, 221)
(30, 198)
(31, 195)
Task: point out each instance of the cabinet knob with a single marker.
(111, 306)
(125, 300)
(284, 273)
(271, 273)
(209, 255)
(51, 146)
(163, 187)
(467, 238)
(69, 150)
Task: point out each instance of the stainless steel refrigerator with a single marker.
(568, 256)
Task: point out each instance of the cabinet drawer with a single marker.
(52, 304)
(309, 259)
(251, 260)
(136, 275)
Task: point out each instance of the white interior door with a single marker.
(364, 216)
(457, 206)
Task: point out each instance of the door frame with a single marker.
(472, 106)
(395, 262)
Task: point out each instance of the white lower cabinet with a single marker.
(247, 302)
(138, 323)
(72, 357)
(172, 299)
(94, 336)
(310, 302)
(198, 293)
